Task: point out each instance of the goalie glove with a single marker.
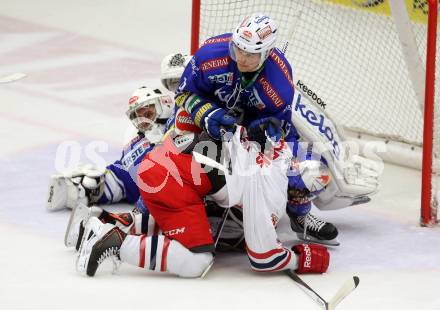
(83, 185)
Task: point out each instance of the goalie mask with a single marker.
(147, 106)
(254, 38)
(172, 68)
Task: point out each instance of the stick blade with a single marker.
(348, 287)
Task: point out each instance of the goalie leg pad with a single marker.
(63, 193)
(79, 216)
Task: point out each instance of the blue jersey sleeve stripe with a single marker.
(119, 182)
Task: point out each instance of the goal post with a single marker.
(368, 60)
(429, 201)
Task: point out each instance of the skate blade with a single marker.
(310, 239)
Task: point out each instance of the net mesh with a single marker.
(350, 57)
(349, 54)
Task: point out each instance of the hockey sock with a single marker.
(160, 254)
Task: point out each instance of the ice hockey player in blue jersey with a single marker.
(244, 71)
(239, 71)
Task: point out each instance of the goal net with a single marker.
(364, 60)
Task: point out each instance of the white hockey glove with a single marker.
(353, 177)
(84, 184)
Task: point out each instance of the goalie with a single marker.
(149, 110)
(326, 172)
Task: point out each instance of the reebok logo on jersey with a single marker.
(311, 94)
(215, 63)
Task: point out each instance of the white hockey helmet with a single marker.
(147, 106)
(171, 70)
(255, 34)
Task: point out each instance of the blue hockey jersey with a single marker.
(213, 77)
(121, 176)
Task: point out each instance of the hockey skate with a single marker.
(100, 241)
(309, 228)
(75, 228)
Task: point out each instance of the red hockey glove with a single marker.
(312, 258)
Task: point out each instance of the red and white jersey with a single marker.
(259, 182)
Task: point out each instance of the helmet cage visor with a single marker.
(144, 114)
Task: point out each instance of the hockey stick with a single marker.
(205, 160)
(343, 292)
(220, 226)
(12, 77)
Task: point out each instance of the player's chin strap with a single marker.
(354, 177)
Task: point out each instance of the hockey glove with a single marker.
(312, 258)
(84, 185)
(265, 128)
(217, 122)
